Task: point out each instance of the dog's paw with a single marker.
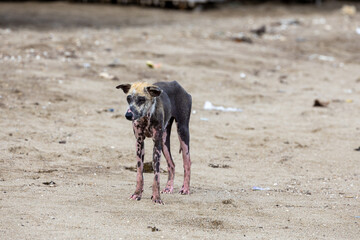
(168, 190)
(136, 197)
(184, 191)
(157, 200)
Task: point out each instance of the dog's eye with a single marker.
(128, 99)
(140, 100)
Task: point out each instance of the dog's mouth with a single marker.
(133, 115)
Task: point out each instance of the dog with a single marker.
(152, 110)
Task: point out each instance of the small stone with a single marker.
(319, 103)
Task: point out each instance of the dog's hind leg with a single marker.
(167, 154)
(182, 118)
(184, 138)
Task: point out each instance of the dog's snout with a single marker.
(129, 115)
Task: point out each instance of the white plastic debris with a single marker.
(204, 119)
(242, 75)
(322, 57)
(260, 189)
(358, 30)
(107, 76)
(209, 106)
(326, 58)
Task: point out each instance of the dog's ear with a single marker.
(154, 91)
(124, 87)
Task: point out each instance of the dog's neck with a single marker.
(152, 108)
(142, 125)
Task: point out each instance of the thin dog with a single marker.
(152, 110)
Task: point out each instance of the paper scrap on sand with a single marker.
(108, 76)
(209, 106)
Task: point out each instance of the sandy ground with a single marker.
(51, 91)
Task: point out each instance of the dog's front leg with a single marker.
(140, 152)
(157, 138)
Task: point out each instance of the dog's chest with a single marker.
(142, 128)
(148, 132)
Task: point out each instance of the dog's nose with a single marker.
(129, 115)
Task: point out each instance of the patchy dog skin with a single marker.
(152, 110)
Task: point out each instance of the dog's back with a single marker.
(179, 98)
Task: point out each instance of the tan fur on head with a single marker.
(139, 88)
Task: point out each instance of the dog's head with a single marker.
(141, 99)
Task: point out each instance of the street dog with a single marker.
(152, 110)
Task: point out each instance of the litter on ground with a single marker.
(322, 58)
(260, 189)
(209, 106)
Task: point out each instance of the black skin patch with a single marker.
(157, 150)
(142, 124)
(157, 167)
(139, 149)
(140, 100)
(184, 135)
(156, 162)
(128, 99)
(135, 112)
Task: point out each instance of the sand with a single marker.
(62, 122)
